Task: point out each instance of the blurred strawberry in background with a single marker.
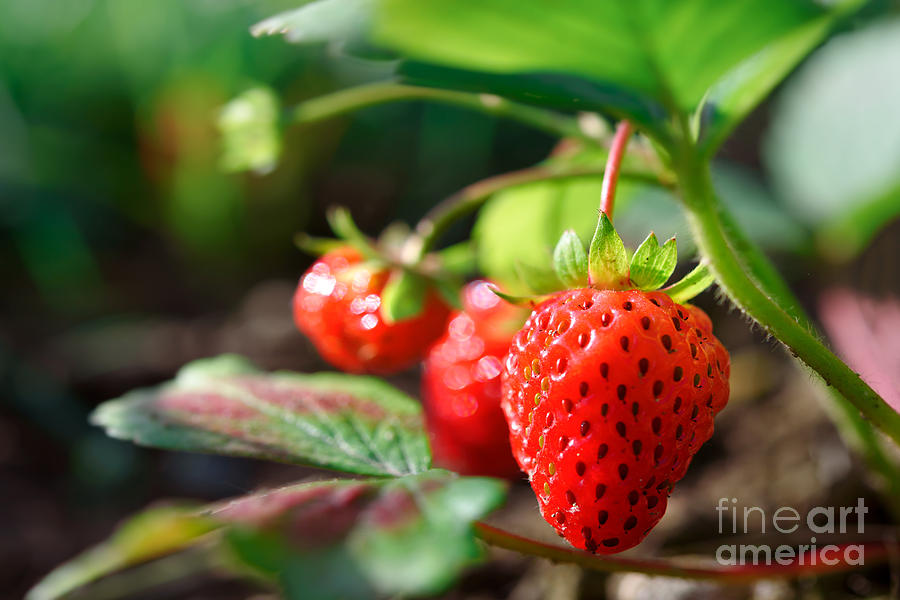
(461, 386)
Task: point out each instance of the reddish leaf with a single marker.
(224, 405)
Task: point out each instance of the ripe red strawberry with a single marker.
(608, 395)
(461, 386)
(338, 306)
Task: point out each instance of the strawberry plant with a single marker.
(601, 386)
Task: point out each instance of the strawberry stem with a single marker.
(875, 552)
(753, 284)
(473, 196)
(613, 165)
(372, 94)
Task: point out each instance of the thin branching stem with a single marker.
(372, 94)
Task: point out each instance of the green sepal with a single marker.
(570, 260)
(403, 295)
(652, 264)
(448, 286)
(317, 246)
(525, 301)
(343, 226)
(691, 284)
(536, 279)
(607, 258)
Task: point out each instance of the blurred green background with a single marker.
(127, 251)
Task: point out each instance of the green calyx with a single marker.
(409, 281)
(606, 266)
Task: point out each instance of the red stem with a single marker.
(613, 163)
(875, 552)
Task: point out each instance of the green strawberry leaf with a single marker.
(668, 50)
(251, 133)
(607, 258)
(691, 284)
(403, 295)
(145, 536)
(224, 405)
(410, 535)
(519, 227)
(357, 539)
(570, 260)
(652, 265)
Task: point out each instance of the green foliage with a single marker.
(671, 51)
(832, 147)
(409, 536)
(342, 538)
(607, 258)
(518, 228)
(570, 260)
(652, 265)
(224, 405)
(732, 98)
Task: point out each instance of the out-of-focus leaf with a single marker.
(539, 280)
(251, 135)
(520, 227)
(847, 234)
(834, 141)
(224, 405)
(766, 221)
(741, 89)
(411, 535)
(320, 21)
(669, 50)
(148, 535)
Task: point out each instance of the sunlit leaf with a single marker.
(669, 50)
(224, 405)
